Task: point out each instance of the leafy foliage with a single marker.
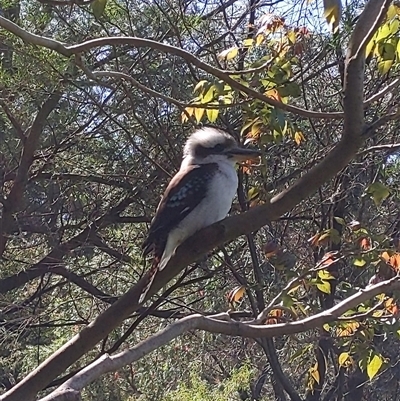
(83, 192)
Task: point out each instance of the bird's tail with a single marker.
(150, 276)
(157, 265)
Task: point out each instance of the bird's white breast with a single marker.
(214, 207)
(217, 203)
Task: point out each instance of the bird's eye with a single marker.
(219, 148)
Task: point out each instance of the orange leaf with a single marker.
(393, 309)
(313, 241)
(385, 256)
(348, 330)
(299, 137)
(327, 260)
(276, 312)
(236, 294)
(391, 306)
(394, 261)
(365, 243)
(274, 94)
(274, 316)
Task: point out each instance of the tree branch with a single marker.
(221, 324)
(68, 51)
(52, 261)
(225, 230)
(30, 145)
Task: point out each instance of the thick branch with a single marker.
(31, 142)
(221, 324)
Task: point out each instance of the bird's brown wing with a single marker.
(185, 191)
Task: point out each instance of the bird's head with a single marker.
(211, 145)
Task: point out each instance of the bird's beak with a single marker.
(242, 154)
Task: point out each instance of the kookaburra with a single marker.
(199, 195)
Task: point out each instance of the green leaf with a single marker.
(386, 57)
(287, 301)
(290, 89)
(378, 192)
(212, 114)
(219, 87)
(374, 365)
(98, 7)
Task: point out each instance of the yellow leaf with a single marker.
(252, 193)
(248, 42)
(209, 95)
(384, 66)
(212, 114)
(391, 12)
(377, 313)
(385, 256)
(324, 287)
(359, 262)
(299, 137)
(348, 329)
(255, 130)
(314, 373)
(344, 358)
(333, 13)
(228, 54)
(198, 113)
(398, 50)
(259, 39)
(274, 94)
(199, 85)
(325, 275)
(187, 113)
(374, 365)
(291, 35)
(370, 47)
